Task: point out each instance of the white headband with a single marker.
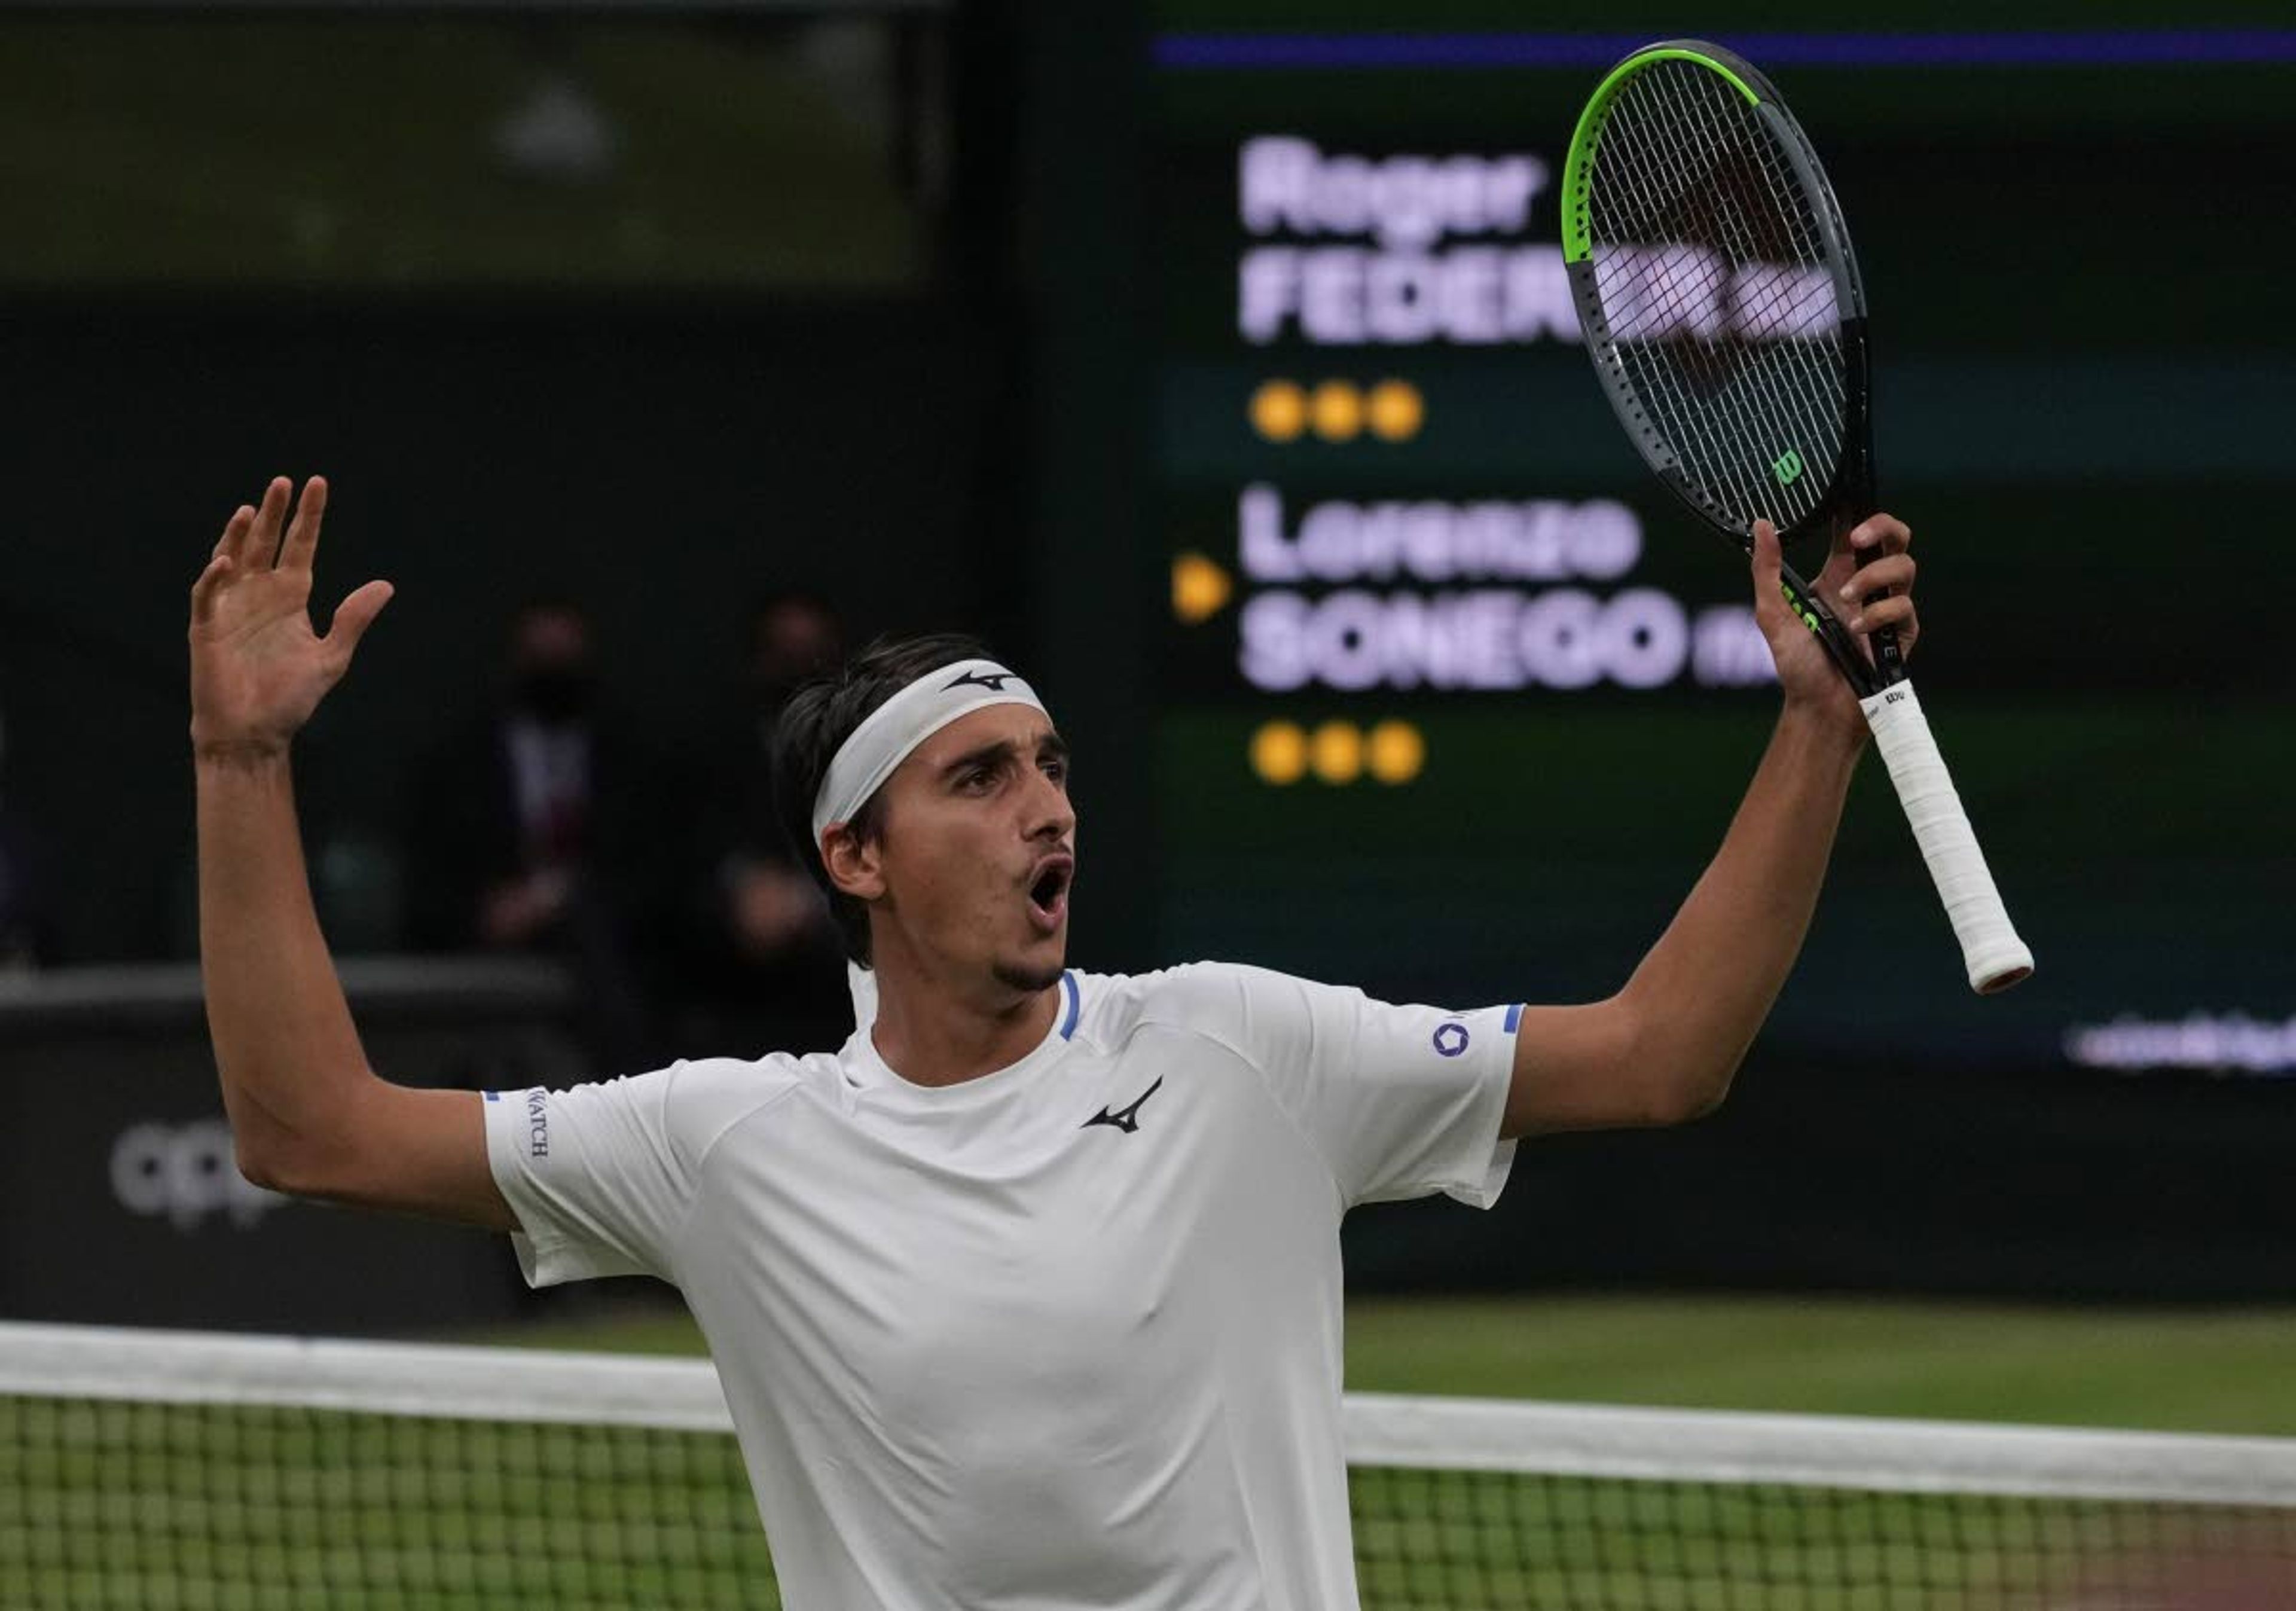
(897, 726)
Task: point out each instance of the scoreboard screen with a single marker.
(1454, 702)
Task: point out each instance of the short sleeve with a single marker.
(1402, 1101)
(594, 1175)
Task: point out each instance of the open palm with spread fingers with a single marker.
(258, 669)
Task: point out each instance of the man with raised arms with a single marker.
(1029, 1296)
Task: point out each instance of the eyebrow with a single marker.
(1051, 744)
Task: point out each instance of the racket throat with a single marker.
(1839, 645)
(1855, 498)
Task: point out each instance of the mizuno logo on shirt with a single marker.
(1126, 1119)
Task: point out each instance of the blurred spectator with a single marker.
(763, 967)
(27, 922)
(529, 833)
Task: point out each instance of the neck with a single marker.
(938, 1031)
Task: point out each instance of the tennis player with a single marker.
(1029, 1296)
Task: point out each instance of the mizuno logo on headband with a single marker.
(993, 681)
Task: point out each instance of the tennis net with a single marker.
(169, 1471)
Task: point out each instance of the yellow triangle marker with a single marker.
(1200, 589)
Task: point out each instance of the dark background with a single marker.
(931, 310)
(2082, 397)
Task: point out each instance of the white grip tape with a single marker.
(1996, 957)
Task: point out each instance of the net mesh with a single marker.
(246, 1473)
(1711, 279)
(1448, 1539)
(143, 1505)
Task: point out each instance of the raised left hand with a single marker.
(258, 669)
(1806, 673)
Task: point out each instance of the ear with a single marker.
(853, 864)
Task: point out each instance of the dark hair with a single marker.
(816, 723)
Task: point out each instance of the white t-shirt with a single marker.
(1063, 1335)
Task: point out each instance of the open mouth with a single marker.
(1048, 896)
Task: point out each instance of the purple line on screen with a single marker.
(2029, 47)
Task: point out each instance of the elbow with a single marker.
(1697, 1100)
(292, 1174)
(299, 1154)
(1692, 1094)
(264, 1167)
(1677, 1082)
(284, 1163)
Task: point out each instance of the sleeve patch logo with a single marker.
(537, 1122)
(1450, 1039)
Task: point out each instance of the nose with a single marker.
(1048, 813)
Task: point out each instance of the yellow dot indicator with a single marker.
(1397, 410)
(1200, 589)
(1337, 409)
(1336, 751)
(1279, 411)
(1398, 753)
(1279, 753)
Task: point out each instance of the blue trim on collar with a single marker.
(1513, 1017)
(1076, 1004)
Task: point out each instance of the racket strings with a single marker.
(1715, 287)
(1780, 382)
(1687, 291)
(1650, 305)
(1803, 288)
(1721, 113)
(1654, 302)
(1808, 402)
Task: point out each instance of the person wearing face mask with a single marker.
(760, 961)
(526, 836)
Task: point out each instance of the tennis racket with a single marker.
(1722, 309)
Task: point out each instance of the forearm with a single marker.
(285, 1047)
(1702, 991)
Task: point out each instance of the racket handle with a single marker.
(1990, 947)
(1889, 659)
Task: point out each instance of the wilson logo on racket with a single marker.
(1802, 611)
(1787, 467)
